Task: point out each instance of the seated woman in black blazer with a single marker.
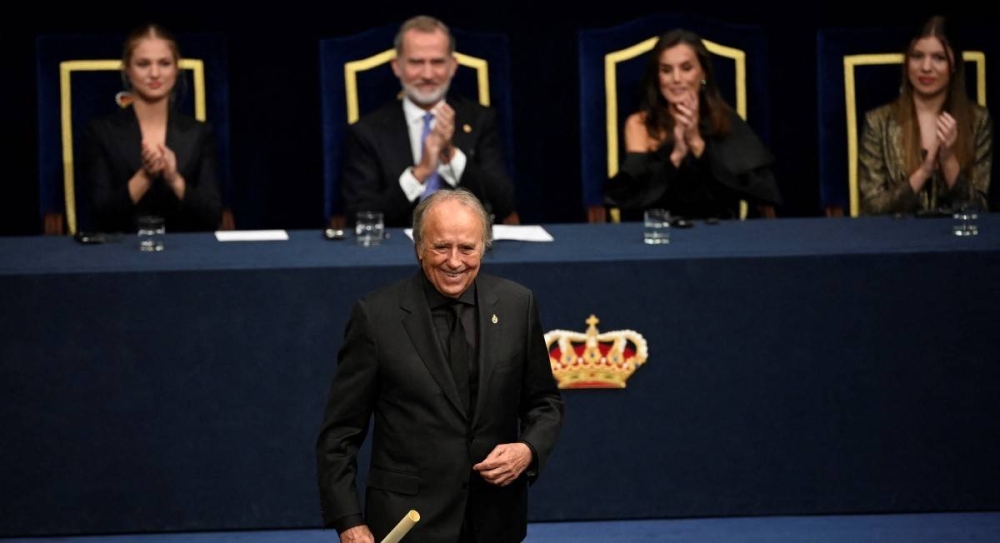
(148, 159)
(687, 150)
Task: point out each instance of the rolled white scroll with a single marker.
(403, 527)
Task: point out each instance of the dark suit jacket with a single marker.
(114, 154)
(423, 444)
(377, 151)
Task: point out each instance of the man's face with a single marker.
(425, 67)
(451, 247)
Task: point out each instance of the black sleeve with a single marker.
(345, 423)
(202, 204)
(111, 205)
(362, 183)
(485, 172)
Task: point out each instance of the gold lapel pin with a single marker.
(466, 128)
(495, 319)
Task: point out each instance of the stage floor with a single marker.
(908, 528)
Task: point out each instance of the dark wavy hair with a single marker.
(956, 101)
(713, 110)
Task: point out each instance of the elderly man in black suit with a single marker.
(452, 364)
(408, 149)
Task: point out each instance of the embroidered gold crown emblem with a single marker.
(595, 360)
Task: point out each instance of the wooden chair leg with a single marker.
(54, 224)
(596, 214)
(228, 222)
(766, 211)
(338, 221)
(512, 219)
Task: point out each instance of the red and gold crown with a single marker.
(594, 360)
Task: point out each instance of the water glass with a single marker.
(656, 227)
(369, 228)
(151, 232)
(965, 216)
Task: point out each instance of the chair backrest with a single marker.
(356, 78)
(78, 78)
(859, 70)
(612, 61)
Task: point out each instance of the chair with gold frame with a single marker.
(859, 70)
(356, 78)
(611, 65)
(78, 78)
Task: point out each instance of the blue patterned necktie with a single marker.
(433, 182)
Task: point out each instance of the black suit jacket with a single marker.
(424, 444)
(377, 151)
(114, 154)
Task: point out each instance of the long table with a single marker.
(796, 366)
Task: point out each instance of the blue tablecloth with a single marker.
(796, 366)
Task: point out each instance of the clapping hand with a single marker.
(160, 161)
(444, 128)
(152, 160)
(687, 135)
(947, 135)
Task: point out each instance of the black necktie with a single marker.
(458, 353)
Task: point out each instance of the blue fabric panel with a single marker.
(810, 367)
(876, 85)
(333, 54)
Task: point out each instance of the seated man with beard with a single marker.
(406, 150)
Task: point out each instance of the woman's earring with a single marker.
(704, 83)
(124, 97)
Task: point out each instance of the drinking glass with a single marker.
(151, 232)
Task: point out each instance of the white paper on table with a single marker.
(523, 232)
(252, 235)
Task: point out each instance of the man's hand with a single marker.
(431, 158)
(444, 127)
(357, 534)
(505, 463)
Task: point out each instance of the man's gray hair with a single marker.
(460, 195)
(422, 23)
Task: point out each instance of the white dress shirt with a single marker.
(450, 173)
